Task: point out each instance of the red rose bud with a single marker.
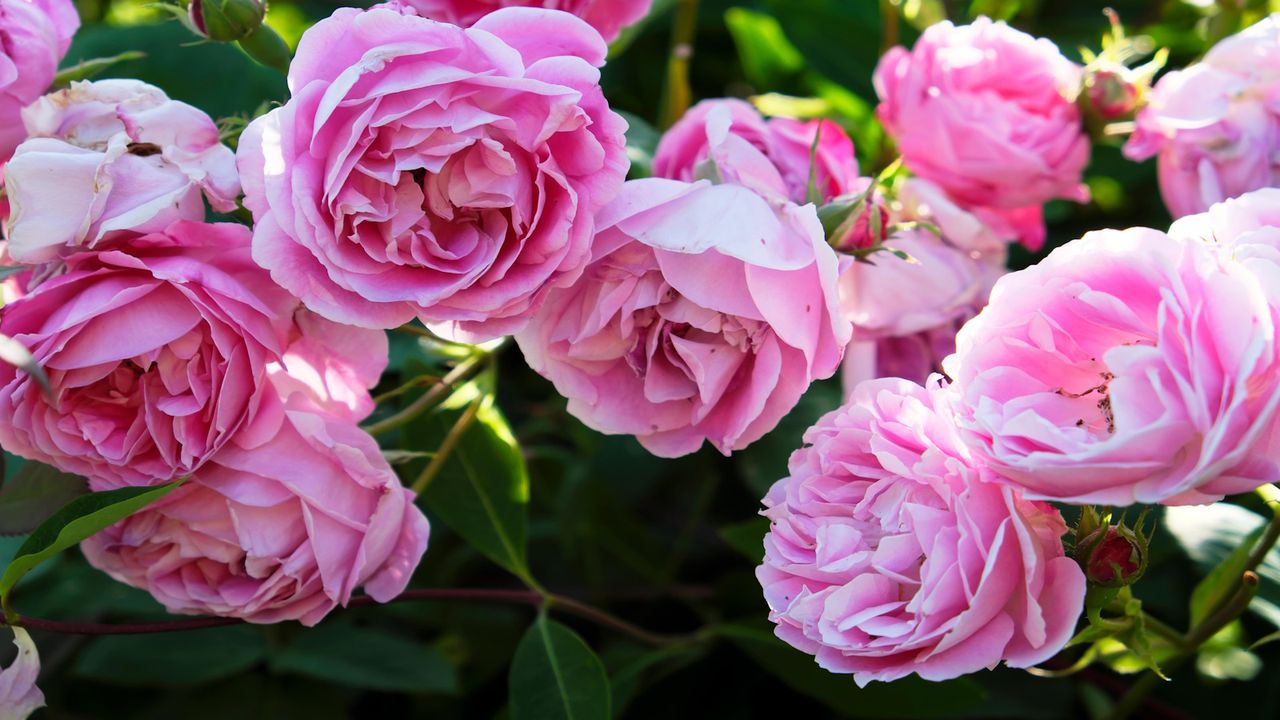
(1113, 556)
(856, 222)
(1112, 93)
(225, 20)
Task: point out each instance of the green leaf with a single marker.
(768, 58)
(907, 698)
(747, 537)
(482, 492)
(556, 676)
(80, 519)
(34, 493)
(187, 658)
(995, 9)
(367, 658)
(87, 69)
(1217, 538)
(642, 143)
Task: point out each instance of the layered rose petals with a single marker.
(157, 352)
(122, 159)
(704, 315)
(34, 36)
(608, 17)
(423, 170)
(1127, 367)
(889, 554)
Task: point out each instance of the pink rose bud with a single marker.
(19, 696)
(1113, 556)
(982, 111)
(787, 145)
(705, 314)
(1213, 126)
(889, 554)
(122, 159)
(1127, 367)
(1111, 92)
(375, 206)
(34, 37)
(608, 17)
(225, 20)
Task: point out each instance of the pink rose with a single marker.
(982, 110)
(34, 36)
(606, 16)
(786, 143)
(1127, 367)
(889, 554)
(705, 314)
(157, 351)
(906, 312)
(120, 158)
(374, 205)
(1216, 125)
(19, 696)
(282, 530)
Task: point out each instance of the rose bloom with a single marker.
(157, 352)
(19, 696)
(375, 205)
(982, 110)
(1247, 229)
(608, 17)
(1128, 367)
(284, 529)
(705, 314)
(1215, 126)
(34, 36)
(121, 158)
(788, 144)
(906, 313)
(889, 554)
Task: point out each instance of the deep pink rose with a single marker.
(109, 159)
(34, 36)
(608, 17)
(787, 144)
(705, 314)
(1128, 367)
(157, 351)
(282, 530)
(889, 554)
(423, 170)
(982, 110)
(19, 696)
(1215, 126)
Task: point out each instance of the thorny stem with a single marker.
(463, 372)
(450, 442)
(1221, 615)
(532, 598)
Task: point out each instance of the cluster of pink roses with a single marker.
(1215, 126)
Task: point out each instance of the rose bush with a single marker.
(374, 207)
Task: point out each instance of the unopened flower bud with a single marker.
(1113, 556)
(226, 20)
(856, 223)
(1112, 93)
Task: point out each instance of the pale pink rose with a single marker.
(109, 159)
(889, 554)
(705, 314)
(34, 36)
(1215, 126)
(909, 310)
(608, 17)
(982, 110)
(787, 144)
(1128, 367)
(283, 530)
(19, 696)
(376, 204)
(157, 351)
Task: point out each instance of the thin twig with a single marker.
(430, 398)
(450, 442)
